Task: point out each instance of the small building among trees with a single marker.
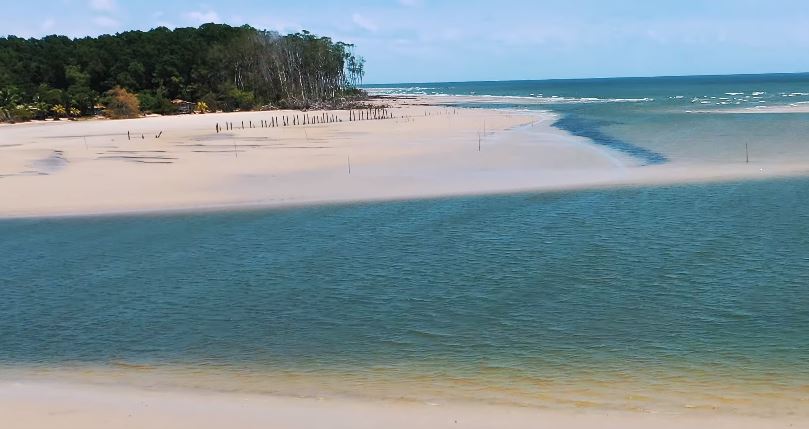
(183, 107)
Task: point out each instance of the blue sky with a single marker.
(455, 40)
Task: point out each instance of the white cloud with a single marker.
(364, 23)
(106, 5)
(202, 17)
(106, 22)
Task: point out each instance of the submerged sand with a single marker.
(90, 167)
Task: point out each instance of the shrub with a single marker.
(20, 113)
(202, 107)
(212, 101)
(58, 111)
(236, 99)
(121, 104)
(156, 103)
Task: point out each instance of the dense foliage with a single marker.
(225, 67)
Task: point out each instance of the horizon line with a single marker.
(594, 78)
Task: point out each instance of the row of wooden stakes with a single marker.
(142, 136)
(324, 118)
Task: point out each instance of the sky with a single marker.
(462, 40)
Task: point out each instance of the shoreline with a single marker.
(35, 404)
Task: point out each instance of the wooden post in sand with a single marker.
(746, 153)
(127, 136)
(478, 141)
(349, 164)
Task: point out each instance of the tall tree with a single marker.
(227, 67)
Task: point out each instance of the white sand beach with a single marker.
(91, 167)
(64, 406)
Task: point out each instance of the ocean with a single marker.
(694, 119)
(688, 298)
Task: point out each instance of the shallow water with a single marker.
(648, 298)
(657, 120)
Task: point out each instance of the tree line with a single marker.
(216, 65)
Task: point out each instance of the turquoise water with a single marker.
(691, 297)
(659, 120)
(655, 298)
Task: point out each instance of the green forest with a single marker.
(215, 66)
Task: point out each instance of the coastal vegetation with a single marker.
(216, 66)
